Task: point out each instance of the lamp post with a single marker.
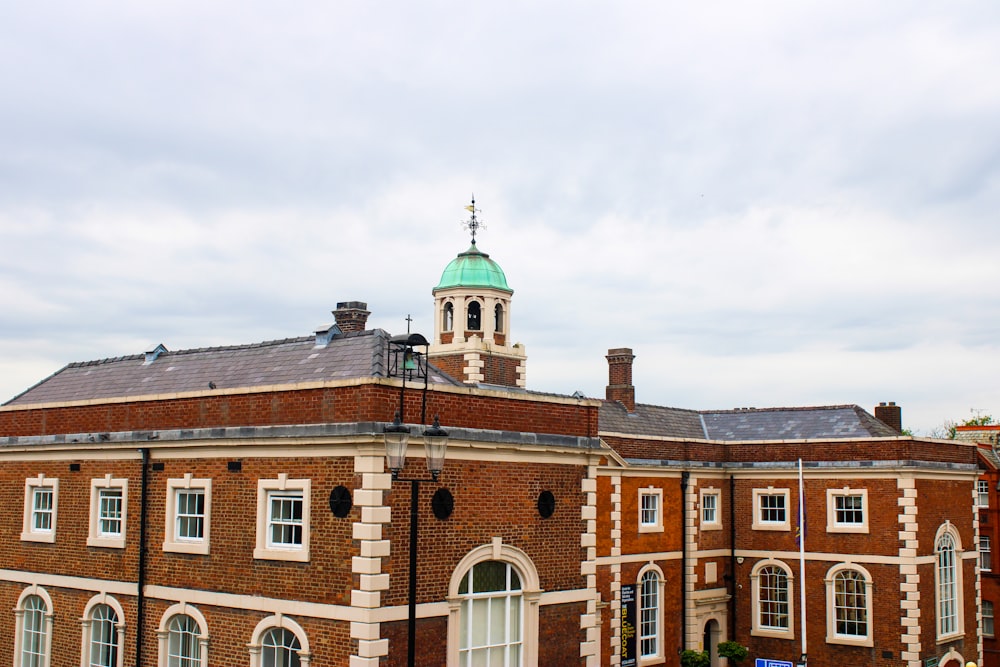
(397, 437)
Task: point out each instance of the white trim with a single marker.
(36, 590)
(86, 623)
(713, 492)
(655, 526)
(530, 593)
(757, 629)
(661, 583)
(163, 632)
(28, 532)
(111, 540)
(832, 637)
(278, 621)
(832, 525)
(760, 524)
(171, 541)
(264, 549)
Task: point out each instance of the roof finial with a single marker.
(473, 224)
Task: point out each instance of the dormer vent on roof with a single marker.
(152, 354)
(352, 316)
(325, 333)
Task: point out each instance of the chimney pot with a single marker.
(890, 414)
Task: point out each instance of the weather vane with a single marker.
(473, 224)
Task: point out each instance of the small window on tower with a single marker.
(449, 317)
(498, 318)
(475, 319)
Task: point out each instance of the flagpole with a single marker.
(802, 560)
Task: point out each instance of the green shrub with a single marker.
(735, 651)
(691, 658)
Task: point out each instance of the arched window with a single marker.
(649, 614)
(278, 641)
(183, 637)
(448, 317)
(498, 318)
(103, 648)
(947, 584)
(183, 648)
(475, 317)
(493, 601)
(34, 631)
(280, 648)
(849, 605)
(772, 599)
(491, 616)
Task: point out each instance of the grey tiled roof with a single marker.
(825, 422)
(289, 361)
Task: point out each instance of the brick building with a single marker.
(232, 506)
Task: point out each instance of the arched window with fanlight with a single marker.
(493, 599)
(492, 615)
(104, 637)
(183, 637)
(849, 605)
(772, 599)
(948, 582)
(33, 628)
(278, 641)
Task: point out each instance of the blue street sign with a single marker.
(764, 662)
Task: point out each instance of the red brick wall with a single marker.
(356, 403)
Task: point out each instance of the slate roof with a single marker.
(824, 422)
(279, 362)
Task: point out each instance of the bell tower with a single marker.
(472, 338)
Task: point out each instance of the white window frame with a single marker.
(278, 622)
(19, 610)
(30, 532)
(715, 522)
(266, 489)
(656, 525)
(833, 525)
(531, 594)
(96, 537)
(988, 619)
(163, 633)
(834, 637)
(172, 541)
(757, 629)
(758, 522)
(657, 656)
(948, 589)
(982, 493)
(87, 624)
(985, 553)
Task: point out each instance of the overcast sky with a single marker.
(772, 203)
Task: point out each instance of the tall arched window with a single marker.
(103, 649)
(448, 317)
(947, 584)
(773, 606)
(649, 614)
(280, 648)
(183, 637)
(493, 601)
(849, 605)
(34, 632)
(492, 615)
(498, 318)
(183, 646)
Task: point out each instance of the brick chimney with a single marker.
(620, 377)
(351, 315)
(890, 414)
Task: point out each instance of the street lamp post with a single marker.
(397, 437)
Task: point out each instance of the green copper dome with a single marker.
(473, 268)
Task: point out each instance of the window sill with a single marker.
(108, 542)
(294, 555)
(198, 548)
(49, 538)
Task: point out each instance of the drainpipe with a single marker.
(141, 597)
(732, 558)
(684, 558)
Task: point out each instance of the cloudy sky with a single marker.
(772, 203)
